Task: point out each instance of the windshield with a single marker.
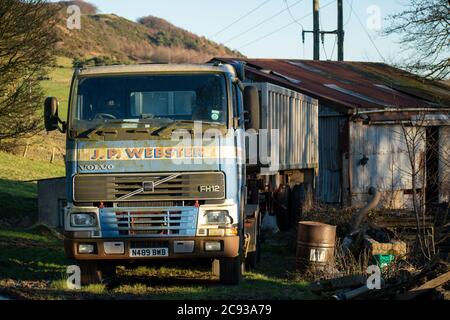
(150, 98)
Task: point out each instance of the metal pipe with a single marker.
(351, 294)
(349, 164)
(356, 112)
(361, 214)
(350, 178)
(407, 122)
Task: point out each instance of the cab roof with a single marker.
(156, 68)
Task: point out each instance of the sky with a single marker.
(267, 29)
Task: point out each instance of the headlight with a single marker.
(218, 217)
(83, 220)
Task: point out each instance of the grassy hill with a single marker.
(150, 39)
(58, 84)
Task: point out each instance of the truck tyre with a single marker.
(90, 273)
(108, 270)
(254, 257)
(298, 198)
(281, 206)
(231, 270)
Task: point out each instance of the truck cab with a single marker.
(155, 167)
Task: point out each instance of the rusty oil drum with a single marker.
(315, 245)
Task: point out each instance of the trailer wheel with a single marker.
(90, 272)
(281, 206)
(231, 270)
(298, 198)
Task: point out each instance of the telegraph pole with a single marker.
(317, 33)
(340, 30)
(316, 30)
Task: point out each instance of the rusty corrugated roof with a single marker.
(350, 84)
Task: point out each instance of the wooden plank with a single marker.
(434, 283)
(429, 285)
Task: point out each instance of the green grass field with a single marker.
(18, 194)
(32, 266)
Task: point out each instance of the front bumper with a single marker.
(229, 248)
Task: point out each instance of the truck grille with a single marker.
(185, 186)
(155, 222)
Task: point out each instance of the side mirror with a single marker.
(51, 118)
(251, 107)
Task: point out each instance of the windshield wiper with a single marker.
(88, 133)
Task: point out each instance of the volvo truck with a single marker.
(157, 166)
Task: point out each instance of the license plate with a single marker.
(149, 252)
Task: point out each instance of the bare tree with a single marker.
(415, 140)
(428, 171)
(27, 42)
(424, 31)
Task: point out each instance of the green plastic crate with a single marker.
(383, 260)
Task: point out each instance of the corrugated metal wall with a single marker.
(296, 117)
(329, 182)
(388, 168)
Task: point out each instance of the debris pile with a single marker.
(404, 285)
(378, 256)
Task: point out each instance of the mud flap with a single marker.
(252, 220)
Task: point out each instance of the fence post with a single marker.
(26, 150)
(53, 155)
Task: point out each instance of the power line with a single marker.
(239, 19)
(283, 27)
(262, 22)
(349, 15)
(292, 16)
(367, 33)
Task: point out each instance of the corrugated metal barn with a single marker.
(377, 126)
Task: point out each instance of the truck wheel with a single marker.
(90, 272)
(107, 270)
(231, 270)
(255, 256)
